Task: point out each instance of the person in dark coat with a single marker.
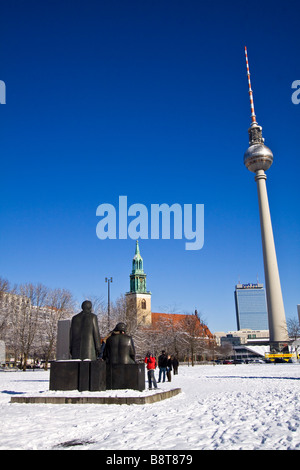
(119, 348)
(84, 334)
(162, 364)
(175, 365)
(169, 368)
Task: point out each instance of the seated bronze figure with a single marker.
(119, 347)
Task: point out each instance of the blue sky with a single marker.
(147, 99)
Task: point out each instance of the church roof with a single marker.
(177, 319)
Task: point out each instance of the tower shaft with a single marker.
(276, 313)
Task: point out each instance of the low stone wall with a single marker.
(98, 400)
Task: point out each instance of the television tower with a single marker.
(258, 158)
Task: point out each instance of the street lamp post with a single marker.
(108, 280)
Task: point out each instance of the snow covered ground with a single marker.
(244, 406)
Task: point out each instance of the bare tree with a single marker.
(196, 341)
(293, 327)
(119, 311)
(4, 289)
(190, 336)
(146, 338)
(59, 306)
(10, 303)
(27, 317)
(13, 341)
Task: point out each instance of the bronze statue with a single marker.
(85, 342)
(119, 347)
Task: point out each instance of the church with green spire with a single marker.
(139, 299)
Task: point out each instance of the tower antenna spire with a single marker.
(253, 116)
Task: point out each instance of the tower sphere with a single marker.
(258, 157)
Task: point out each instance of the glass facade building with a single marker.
(251, 307)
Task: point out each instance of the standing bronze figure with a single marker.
(85, 342)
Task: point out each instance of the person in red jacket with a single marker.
(151, 366)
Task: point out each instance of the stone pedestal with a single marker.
(84, 376)
(97, 376)
(120, 376)
(64, 375)
(78, 375)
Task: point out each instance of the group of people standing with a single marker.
(165, 364)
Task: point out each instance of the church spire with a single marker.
(138, 277)
(137, 262)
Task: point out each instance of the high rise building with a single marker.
(251, 307)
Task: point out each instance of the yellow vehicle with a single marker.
(281, 356)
